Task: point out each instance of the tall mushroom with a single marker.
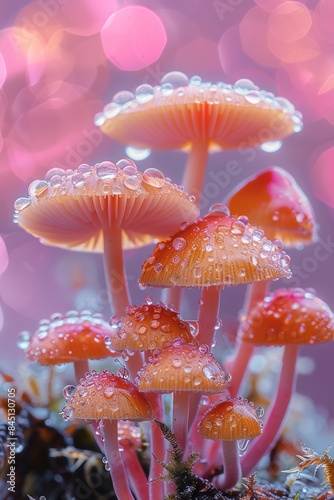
(289, 318)
(183, 113)
(212, 252)
(273, 201)
(106, 208)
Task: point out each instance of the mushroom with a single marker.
(214, 251)
(108, 397)
(183, 113)
(275, 203)
(71, 338)
(182, 369)
(230, 420)
(147, 328)
(106, 208)
(289, 318)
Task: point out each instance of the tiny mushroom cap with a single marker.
(67, 338)
(288, 316)
(182, 367)
(231, 419)
(181, 111)
(149, 327)
(105, 396)
(72, 209)
(216, 250)
(274, 202)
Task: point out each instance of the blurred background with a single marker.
(61, 61)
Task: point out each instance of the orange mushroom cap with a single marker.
(231, 419)
(149, 327)
(105, 396)
(69, 338)
(274, 202)
(288, 316)
(73, 208)
(182, 367)
(216, 250)
(181, 111)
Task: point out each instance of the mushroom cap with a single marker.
(69, 338)
(288, 316)
(149, 327)
(182, 367)
(106, 396)
(182, 111)
(231, 419)
(274, 202)
(73, 208)
(216, 250)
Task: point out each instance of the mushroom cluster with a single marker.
(172, 371)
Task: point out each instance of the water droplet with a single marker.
(271, 147)
(67, 413)
(123, 98)
(177, 362)
(253, 97)
(176, 78)
(195, 80)
(78, 179)
(238, 227)
(22, 203)
(68, 391)
(179, 243)
(245, 84)
(154, 177)
(167, 89)
(106, 170)
(109, 111)
(228, 377)
(99, 119)
(211, 371)
(144, 93)
(158, 267)
(132, 182)
(219, 208)
(84, 168)
(259, 411)
(56, 180)
(137, 154)
(23, 339)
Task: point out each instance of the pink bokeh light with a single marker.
(133, 38)
(322, 174)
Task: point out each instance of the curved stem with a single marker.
(194, 173)
(117, 470)
(135, 472)
(237, 366)
(277, 412)
(231, 463)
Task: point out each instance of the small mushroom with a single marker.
(182, 369)
(71, 338)
(108, 397)
(230, 420)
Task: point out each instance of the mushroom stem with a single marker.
(277, 412)
(180, 417)
(117, 285)
(80, 369)
(194, 173)
(114, 270)
(157, 443)
(231, 463)
(135, 472)
(172, 295)
(237, 366)
(117, 470)
(208, 314)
